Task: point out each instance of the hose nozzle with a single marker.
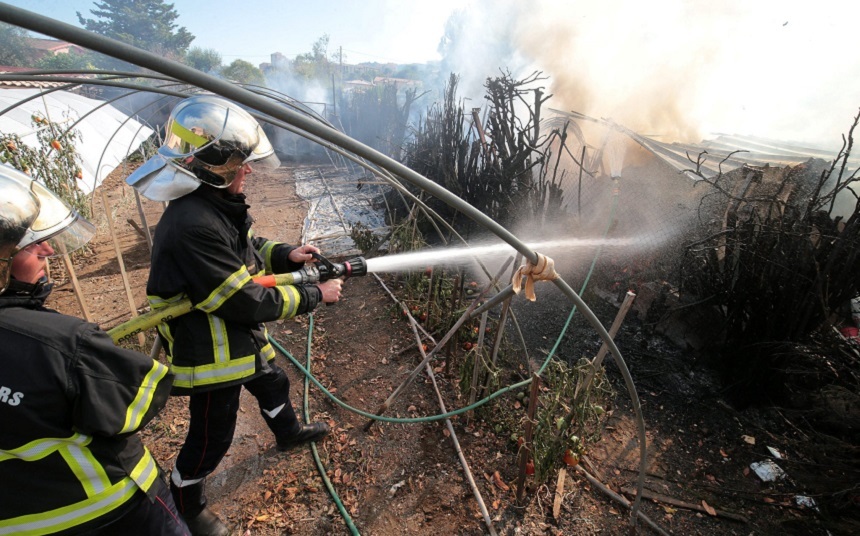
(330, 270)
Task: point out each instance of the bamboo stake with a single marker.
(619, 499)
(476, 366)
(647, 494)
(526, 449)
(385, 405)
(613, 330)
(77, 287)
(146, 233)
(500, 328)
(140, 336)
(463, 462)
(559, 493)
(333, 202)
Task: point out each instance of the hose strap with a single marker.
(543, 270)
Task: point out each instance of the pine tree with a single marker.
(147, 24)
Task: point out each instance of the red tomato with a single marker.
(570, 458)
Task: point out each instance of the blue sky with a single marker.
(369, 30)
(678, 69)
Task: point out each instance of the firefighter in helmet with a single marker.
(205, 250)
(71, 401)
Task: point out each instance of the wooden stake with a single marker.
(385, 405)
(526, 449)
(613, 330)
(140, 336)
(476, 366)
(616, 325)
(77, 288)
(146, 233)
(620, 500)
(646, 494)
(559, 493)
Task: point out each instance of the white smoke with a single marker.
(678, 69)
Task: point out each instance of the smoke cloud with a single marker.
(679, 70)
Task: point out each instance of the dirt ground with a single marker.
(406, 478)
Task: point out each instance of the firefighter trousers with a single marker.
(211, 428)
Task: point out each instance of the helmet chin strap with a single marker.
(220, 176)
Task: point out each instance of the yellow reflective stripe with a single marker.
(188, 136)
(214, 373)
(157, 302)
(266, 252)
(146, 471)
(164, 331)
(86, 468)
(38, 449)
(137, 409)
(220, 340)
(230, 286)
(267, 352)
(72, 515)
(291, 301)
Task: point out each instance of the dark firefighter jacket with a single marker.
(204, 250)
(70, 404)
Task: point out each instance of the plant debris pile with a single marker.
(777, 265)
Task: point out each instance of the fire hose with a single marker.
(318, 272)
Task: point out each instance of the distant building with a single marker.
(52, 47)
(358, 70)
(399, 82)
(279, 61)
(356, 85)
(7, 69)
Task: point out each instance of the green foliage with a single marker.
(566, 419)
(14, 48)
(314, 65)
(243, 72)
(55, 163)
(146, 24)
(71, 60)
(207, 60)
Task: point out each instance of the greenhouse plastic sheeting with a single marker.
(106, 135)
(338, 201)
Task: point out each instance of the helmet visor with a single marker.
(263, 156)
(63, 228)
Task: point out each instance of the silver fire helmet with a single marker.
(207, 140)
(30, 213)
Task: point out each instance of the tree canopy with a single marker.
(147, 24)
(314, 64)
(207, 60)
(243, 72)
(71, 60)
(14, 48)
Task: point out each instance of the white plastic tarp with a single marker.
(106, 135)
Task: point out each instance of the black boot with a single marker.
(191, 503)
(206, 523)
(309, 432)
